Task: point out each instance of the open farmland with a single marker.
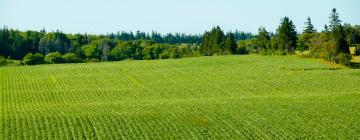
(242, 97)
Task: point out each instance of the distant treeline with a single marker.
(177, 38)
(38, 47)
(18, 45)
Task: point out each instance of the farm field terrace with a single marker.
(222, 97)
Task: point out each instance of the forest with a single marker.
(41, 47)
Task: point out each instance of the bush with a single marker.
(242, 50)
(3, 61)
(33, 59)
(164, 55)
(71, 58)
(54, 58)
(174, 53)
(343, 58)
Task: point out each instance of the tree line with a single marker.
(331, 44)
(38, 47)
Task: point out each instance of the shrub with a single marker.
(33, 59)
(54, 58)
(242, 50)
(3, 61)
(71, 58)
(343, 58)
(174, 53)
(164, 55)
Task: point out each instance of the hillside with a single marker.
(242, 97)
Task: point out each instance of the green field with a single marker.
(240, 97)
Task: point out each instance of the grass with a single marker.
(356, 59)
(223, 97)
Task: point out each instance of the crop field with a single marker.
(222, 97)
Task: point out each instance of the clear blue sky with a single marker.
(188, 16)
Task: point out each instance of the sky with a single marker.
(165, 16)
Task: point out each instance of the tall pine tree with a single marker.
(335, 21)
(337, 33)
(213, 42)
(230, 43)
(286, 36)
(309, 28)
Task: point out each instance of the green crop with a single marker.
(223, 97)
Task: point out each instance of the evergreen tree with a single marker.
(213, 42)
(308, 33)
(309, 28)
(334, 20)
(326, 29)
(286, 36)
(230, 43)
(5, 42)
(337, 33)
(338, 49)
(262, 40)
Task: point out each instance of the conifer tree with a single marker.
(309, 28)
(286, 36)
(230, 43)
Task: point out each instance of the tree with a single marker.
(54, 58)
(104, 48)
(5, 42)
(339, 39)
(3, 61)
(230, 43)
(213, 42)
(121, 51)
(91, 51)
(286, 36)
(55, 42)
(262, 40)
(334, 20)
(33, 59)
(326, 29)
(309, 28)
(71, 58)
(242, 47)
(319, 45)
(174, 53)
(338, 42)
(308, 33)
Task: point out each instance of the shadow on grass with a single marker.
(309, 69)
(355, 65)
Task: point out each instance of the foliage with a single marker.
(286, 36)
(33, 59)
(3, 61)
(343, 58)
(54, 42)
(216, 42)
(338, 50)
(309, 27)
(90, 51)
(242, 47)
(71, 58)
(230, 43)
(263, 41)
(54, 58)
